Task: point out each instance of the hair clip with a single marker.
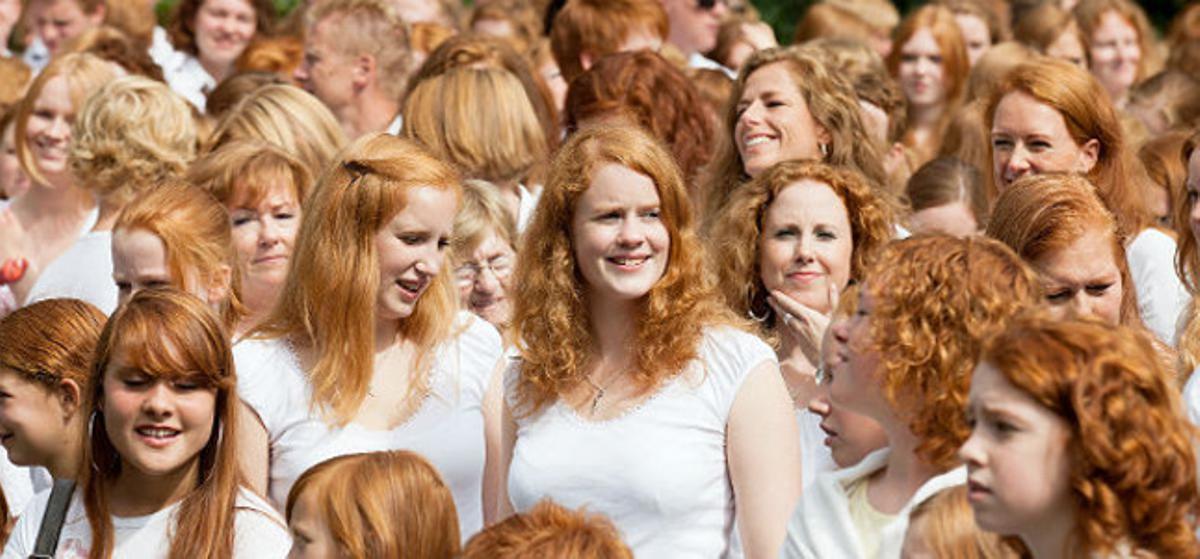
(357, 168)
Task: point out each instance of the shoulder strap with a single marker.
(52, 521)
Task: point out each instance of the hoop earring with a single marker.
(824, 150)
(766, 315)
(91, 441)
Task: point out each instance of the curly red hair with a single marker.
(1133, 467)
(549, 530)
(551, 321)
(935, 299)
(735, 236)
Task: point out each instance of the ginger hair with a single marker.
(382, 504)
(1088, 14)
(243, 171)
(956, 65)
(934, 300)
(1131, 449)
(551, 297)
(946, 524)
(598, 27)
(549, 531)
(52, 340)
(328, 301)
(736, 237)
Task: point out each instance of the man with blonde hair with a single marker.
(357, 61)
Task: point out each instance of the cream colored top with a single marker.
(867, 521)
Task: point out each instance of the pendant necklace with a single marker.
(600, 391)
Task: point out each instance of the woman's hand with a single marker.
(801, 330)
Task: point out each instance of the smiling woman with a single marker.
(209, 35)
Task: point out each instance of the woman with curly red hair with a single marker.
(1079, 446)
(924, 309)
(636, 393)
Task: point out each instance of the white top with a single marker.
(659, 471)
(821, 527)
(188, 78)
(36, 55)
(396, 126)
(701, 62)
(815, 457)
(528, 201)
(1160, 294)
(1191, 397)
(84, 272)
(447, 429)
(17, 483)
(259, 532)
(161, 50)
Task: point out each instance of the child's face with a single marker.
(311, 538)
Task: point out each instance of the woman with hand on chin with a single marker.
(636, 394)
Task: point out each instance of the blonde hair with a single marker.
(287, 117)
(368, 27)
(946, 525)
(84, 73)
(130, 136)
(482, 212)
(382, 504)
(481, 120)
(328, 302)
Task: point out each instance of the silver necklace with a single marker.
(600, 390)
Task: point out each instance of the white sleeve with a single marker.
(729, 354)
(17, 483)
(259, 532)
(1161, 295)
(24, 535)
(481, 348)
(267, 383)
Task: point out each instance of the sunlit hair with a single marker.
(523, 20)
(714, 87)
(233, 89)
(736, 237)
(242, 173)
(1088, 14)
(50, 341)
(1172, 94)
(279, 55)
(730, 35)
(287, 117)
(547, 531)
(869, 78)
(946, 526)
(129, 17)
(482, 213)
(14, 78)
(947, 180)
(831, 101)
(1040, 215)
(1131, 449)
(880, 14)
(478, 52)
(167, 335)
(933, 301)
(328, 301)
(194, 229)
(828, 20)
(551, 295)
(182, 30)
(940, 22)
(1089, 114)
(130, 136)
(425, 37)
(84, 74)
(481, 120)
(598, 27)
(117, 47)
(1160, 158)
(650, 92)
(985, 11)
(381, 504)
(968, 139)
(367, 27)
(993, 67)
(1187, 251)
(1042, 26)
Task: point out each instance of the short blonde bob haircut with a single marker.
(131, 135)
(242, 172)
(736, 237)
(934, 300)
(84, 73)
(328, 301)
(481, 120)
(831, 101)
(547, 531)
(381, 504)
(288, 117)
(1042, 214)
(551, 301)
(1131, 448)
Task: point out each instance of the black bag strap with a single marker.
(52, 521)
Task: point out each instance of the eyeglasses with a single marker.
(708, 5)
(500, 265)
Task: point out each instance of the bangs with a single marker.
(259, 178)
(179, 351)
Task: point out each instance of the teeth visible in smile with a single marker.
(157, 433)
(629, 261)
(751, 142)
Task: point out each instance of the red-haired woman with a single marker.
(161, 477)
(636, 394)
(1079, 446)
(907, 353)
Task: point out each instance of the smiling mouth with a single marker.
(157, 436)
(756, 140)
(410, 289)
(628, 262)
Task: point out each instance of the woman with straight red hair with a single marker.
(376, 504)
(931, 64)
(160, 475)
(1079, 446)
(1120, 45)
(1051, 116)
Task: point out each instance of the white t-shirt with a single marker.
(815, 457)
(188, 78)
(259, 532)
(17, 483)
(659, 471)
(1160, 294)
(527, 203)
(447, 429)
(84, 272)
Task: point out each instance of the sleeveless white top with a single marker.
(659, 471)
(447, 429)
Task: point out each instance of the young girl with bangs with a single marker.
(637, 393)
(161, 478)
(366, 350)
(1079, 446)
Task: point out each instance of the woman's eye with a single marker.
(239, 221)
(284, 215)
(827, 235)
(1099, 288)
(785, 234)
(1059, 295)
(1001, 143)
(651, 214)
(123, 286)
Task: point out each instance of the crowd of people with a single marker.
(598, 279)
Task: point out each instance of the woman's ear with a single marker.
(70, 397)
(1088, 157)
